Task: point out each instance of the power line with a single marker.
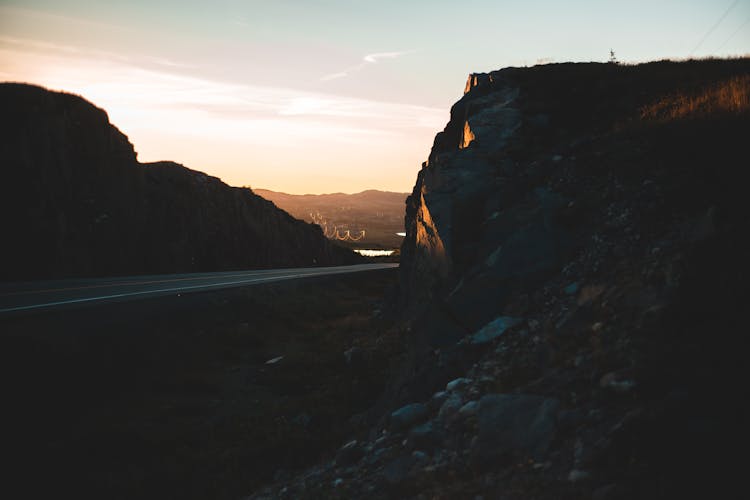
(716, 25)
(733, 34)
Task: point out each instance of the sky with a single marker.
(320, 96)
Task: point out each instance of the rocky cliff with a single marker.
(492, 211)
(76, 202)
(573, 282)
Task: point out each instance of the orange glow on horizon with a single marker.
(281, 139)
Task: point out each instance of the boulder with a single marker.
(399, 469)
(515, 423)
(450, 407)
(494, 329)
(427, 435)
(350, 453)
(456, 385)
(408, 415)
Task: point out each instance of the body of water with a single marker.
(374, 253)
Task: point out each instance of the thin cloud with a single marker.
(154, 97)
(373, 58)
(72, 51)
(334, 76)
(366, 60)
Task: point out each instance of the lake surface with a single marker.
(374, 253)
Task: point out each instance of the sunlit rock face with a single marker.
(574, 280)
(454, 183)
(74, 201)
(477, 79)
(468, 136)
(528, 176)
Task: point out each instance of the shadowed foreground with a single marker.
(172, 397)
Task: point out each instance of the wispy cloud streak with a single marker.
(44, 47)
(367, 60)
(241, 132)
(132, 87)
(373, 58)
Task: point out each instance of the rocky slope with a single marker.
(573, 279)
(76, 202)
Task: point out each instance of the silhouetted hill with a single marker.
(380, 214)
(74, 201)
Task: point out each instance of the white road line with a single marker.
(177, 289)
(155, 279)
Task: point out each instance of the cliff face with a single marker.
(76, 202)
(454, 183)
(487, 216)
(574, 275)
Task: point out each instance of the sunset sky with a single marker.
(323, 95)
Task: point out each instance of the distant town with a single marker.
(371, 220)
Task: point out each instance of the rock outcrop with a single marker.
(453, 185)
(76, 202)
(573, 283)
(484, 218)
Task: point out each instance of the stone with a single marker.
(570, 419)
(457, 384)
(303, 419)
(608, 492)
(350, 453)
(427, 435)
(408, 415)
(539, 120)
(353, 356)
(494, 329)
(438, 399)
(615, 382)
(576, 476)
(399, 469)
(450, 407)
(469, 409)
(515, 423)
(375, 456)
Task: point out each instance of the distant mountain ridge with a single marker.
(380, 214)
(75, 201)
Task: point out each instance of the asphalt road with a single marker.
(45, 295)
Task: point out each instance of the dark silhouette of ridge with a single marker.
(76, 202)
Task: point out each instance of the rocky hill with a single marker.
(74, 201)
(380, 214)
(572, 280)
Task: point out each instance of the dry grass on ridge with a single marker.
(731, 96)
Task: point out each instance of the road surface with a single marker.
(42, 295)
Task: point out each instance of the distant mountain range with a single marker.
(75, 201)
(370, 219)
